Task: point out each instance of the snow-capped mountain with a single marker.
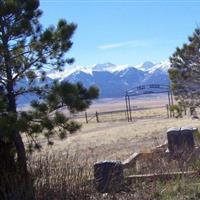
(162, 67)
(158, 73)
(113, 80)
(146, 66)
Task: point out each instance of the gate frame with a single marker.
(147, 89)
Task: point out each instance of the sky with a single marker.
(124, 32)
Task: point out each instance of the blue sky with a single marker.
(124, 32)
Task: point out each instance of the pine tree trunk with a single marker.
(15, 184)
(21, 153)
(25, 190)
(15, 181)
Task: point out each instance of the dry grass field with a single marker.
(62, 170)
(119, 139)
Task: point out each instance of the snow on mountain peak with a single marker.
(162, 66)
(145, 66)
(68, 71)
(103, 67)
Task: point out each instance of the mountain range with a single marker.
(112, 80)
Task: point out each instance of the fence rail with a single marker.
(120, 115)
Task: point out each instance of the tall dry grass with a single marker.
(61, 176)
(68, 177)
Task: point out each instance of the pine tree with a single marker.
(185, 71)
(27, 50)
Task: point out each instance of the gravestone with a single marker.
(180, 139)
(108, 176)
(188, 137)
(174, 139)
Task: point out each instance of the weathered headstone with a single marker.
(174, 139)
(180, 139)
(108, 176)
(187, 137)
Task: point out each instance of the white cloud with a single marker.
(133, 43)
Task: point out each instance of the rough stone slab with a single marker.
(108, 176)
(181, 139)
(174, 139)
(188, 137)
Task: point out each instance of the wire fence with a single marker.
(121, 115)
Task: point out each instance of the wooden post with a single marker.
(97, 117)
(126, 116)
(127, 110)
(170, 114)
(129, 105)
(86, 118)
(185, 110)
(167, 107)
(172, 102)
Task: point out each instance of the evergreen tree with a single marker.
(185, 71)
(26, 52)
